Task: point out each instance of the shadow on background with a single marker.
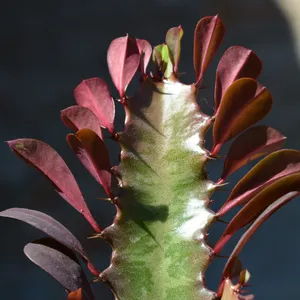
(48, 47)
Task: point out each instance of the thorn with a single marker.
(97, 279)
(111, 200)
(95, 236)
(212, 187)
(220, 256)
(100, 198)
(211, 156)
(219, 186)
(208, 155)
(221, 221)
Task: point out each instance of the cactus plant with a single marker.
(161, 189)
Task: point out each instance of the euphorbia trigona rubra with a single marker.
(160, 188)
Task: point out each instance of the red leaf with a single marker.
(41, 156)
(256, 224)
(258, 204)
(208, 36)
(79, 117)
(93, 94)
(75, 145)
(123, 59)
(145, 50)
(236, 62)
(273, 167)
(173, 38)
(244, 103)
(253, 143)
(92, 152)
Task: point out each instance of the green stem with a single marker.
(159, 234)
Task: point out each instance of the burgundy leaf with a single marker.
(48, 225)
(123, 59)
(145, 50)
(256, 224)
(208, 36)
(273, 167)
(92, 152)
(256, 206)
(244, 103)
(94, 94)
(60, 263)
(44, 158)
(79, 117)
(173, 38)
(253, 143)
(236, 62)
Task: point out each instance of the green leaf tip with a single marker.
(162, 59)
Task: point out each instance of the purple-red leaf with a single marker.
(48, 225)
(92, 152)
(244, 103)
(258, 204)
(123, 59)
(251, 144)
(145, 50)
(94, 94)
(208, 36)
(52, 228)
(41, 156)
(60, 263)
(236, 62)
(257, 223)
(173, 38)
(273, 167)
(78, 117)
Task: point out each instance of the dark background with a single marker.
(48, 47)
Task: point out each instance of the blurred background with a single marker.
(48, 47)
